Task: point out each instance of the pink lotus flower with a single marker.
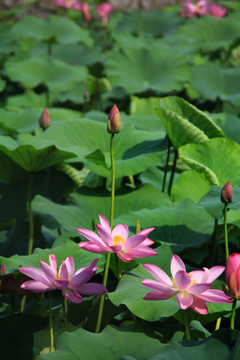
(192, 289)
(190, 9)
(44, 120)
(86, 12)
(217, 10)
(114, 124)
(103, 10)
(232, 275)
(117, 241)
(72, 285)
(68, 4)
(227, 193)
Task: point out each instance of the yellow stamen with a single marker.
(58, 277)
(118, 239)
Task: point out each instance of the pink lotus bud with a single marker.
(3, 269)
(86, 12)
(114, 124)
(217, 10)
(232, 275)
(44, 120)
(103, 10)
(227, 193)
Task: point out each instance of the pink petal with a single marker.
(99, 249)
(91, 236)
(36, 286)
(176, 265)
(155, 285)
(198, 275)
(199, 288)
(141, 252)
(81, 278)
(48, 270)
(61, 284)
(92, 289)
(63, 271)
(104, 223)
(199, 306)
(90, 267)
(70, 265)
(147, 242)
(217, 296)
(36, 274)
(157, 295)
(215, 272)
(184, 300)
(158, 274)
(53, 263)
(135, 240)
(121, 230)
(183, 280)
(126, 257)
(105, 235)
(72, 296)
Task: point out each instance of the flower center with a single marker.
(58, 277)
(118, 239)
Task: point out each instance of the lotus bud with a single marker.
(232, 275)
(44, 120)
(114, 124)
(3, 269)
(227, 193)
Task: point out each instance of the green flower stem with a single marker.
(186, 321)
(131, 179)
(232, 320)
(30, 217)
(226, 232)
(172, 172)
(51, 348)
(166, 166)
(64, 309)
(215, 242)
(101, 303)
(108, 256)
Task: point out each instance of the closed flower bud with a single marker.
(44, 120)
(3, 269)
(232, 275)
(227, 193)
(114, 124)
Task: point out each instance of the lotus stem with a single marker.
(166, 166)
(186, 322)
(232, 320)
(226, 232)
(51, 348)
(30, 217)
(172, 172)
(64, 309)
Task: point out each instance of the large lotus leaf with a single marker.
(213, 82)
(87, 204)
(26, 120)
(81, 257)
(32, 153)
(130, 290)
(222, 345)
(153, 176)
(184, 123)
(141, 69)
(135, 22)
(212, 201)
(210, 33)
(230, 124)
(217, 160)
(134, 150)
(189, 185)
(182, 226)
(132, 342)
(54, 73)
(63, 29)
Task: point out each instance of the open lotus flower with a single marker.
(192, 289)
(217, 10)
(198, 8)
(72, 285)
(117, 241)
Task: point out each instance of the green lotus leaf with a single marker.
(84, 207)
(184, 123)
(181, 226)
(113, 343)
(213, 82)
(81, 257)
(217, 160)
(230, 124)
(53, 73)
(134, 150)
(139, 69)
(210, 33)
(63, 29)
(31, 153)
